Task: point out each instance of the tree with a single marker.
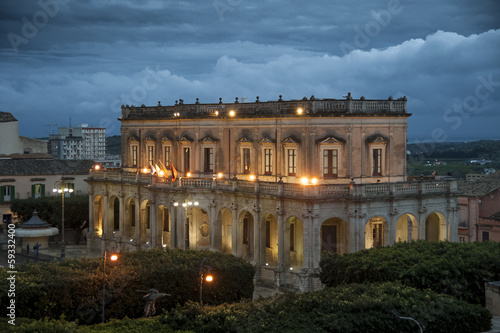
(76, 211)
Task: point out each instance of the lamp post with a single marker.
(63, 188)
(395, 313)
(209, 278)
(112, 257)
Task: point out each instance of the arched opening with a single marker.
(197, 229)
(130, 220)
(145, 223)
(270, 239)
(98, 215)
(223, 241)
(376, 232)
(435, 227)
(406, 228)
(115, 214)
(164, 226)
(247, 235)
(334, 236)
(294, 242)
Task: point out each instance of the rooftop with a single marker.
(479, 187)
(6, 117)
(309, 107)
(29, 167)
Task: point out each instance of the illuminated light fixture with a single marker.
(291, 268)
(314, 181)
(252, 177)
(131, 240)
(220, 174)
(232, 113)
(300, 111)
(209, 278)
(196, 203)
(97, 167)
(216, 113)
(188, 174)
(145, 170)
(267, 264)
(304, 180)
(176, 204)
(190, 203)
(164, 245)
(113, 257)
(184, 204)
(176, 114)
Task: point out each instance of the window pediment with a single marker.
(185, 140)
(166, 139)
(266, 141)
(331, 140)
(290, 141)
(208, 139)
(377, 138)
(244, 140)
(149, 139)
(133, 139)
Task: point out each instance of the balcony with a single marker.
(279, 189)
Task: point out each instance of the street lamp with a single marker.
(112, 257)
(208, 278)
(395, 313)
(62, 187)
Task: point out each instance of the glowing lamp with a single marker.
(209, 278)
(113, 257)
(232, 113)
(299, 111)
(304, 180)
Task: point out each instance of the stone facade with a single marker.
(275, 182)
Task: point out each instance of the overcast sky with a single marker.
(82, 59)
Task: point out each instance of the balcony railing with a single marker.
(280, 188)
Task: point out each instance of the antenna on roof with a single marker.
(70, 122)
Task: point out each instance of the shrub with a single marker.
(73, 288)
(456, 269)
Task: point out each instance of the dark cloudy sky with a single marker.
(84, 58)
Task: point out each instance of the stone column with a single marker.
(153, 223)
(236, 232)
(121, 217)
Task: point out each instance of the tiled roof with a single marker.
(479, 187)
(29, 167)
(6, 117)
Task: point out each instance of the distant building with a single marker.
(76, 143)
(276, 183)
(479, 215)
(12, 143)
(22, 177)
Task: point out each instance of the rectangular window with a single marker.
(330, 163)
(268, 161)
(292, 162)
(151, 154)
(148, 216)
(187, 161)
(246, 160)
(268, 234)
(37, 190)
(377, 162)
(166, 220)
(246, 232)
(167, 156)
(292, 237)
(209, 159)
(7, 193)
(134, 155)
(462, 239)
(486, 235)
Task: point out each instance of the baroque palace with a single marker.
(275, 182)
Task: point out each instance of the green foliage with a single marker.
(73, 288)
(347, 308)
(456, 269)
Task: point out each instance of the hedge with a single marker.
(456, 269)
(350, 308)
(73, 287)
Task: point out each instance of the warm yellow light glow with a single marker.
(184, 204)
(97, 167)
(252, 177)
(209, 278)
(299, 111)
(220, 174)
(304, 181)
(314, 181)
(188, 174)
(145, 170)
(216, 113)
(232, 113)
(176, 204)
(161, 173)
(113, 257)
(196, 203)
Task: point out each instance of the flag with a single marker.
(164, 169)
(153, 170)
(174, 172)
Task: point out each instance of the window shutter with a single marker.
(33, 190)
(12, 192)
(43, 190)
(1, 193)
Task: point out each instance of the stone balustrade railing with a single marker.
(280, 188)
